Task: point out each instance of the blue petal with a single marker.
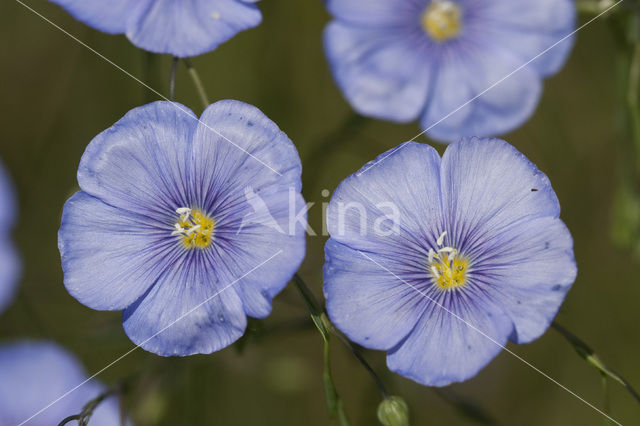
(110, 257)
(370, 305)
(460, 104)
(249, 177)
(193, 308)
(9, 272)
(530, 28)
(139, 163)
(367, 263)
(488, 185)
(383, 73)
(34, 374)
(376, 12)
(190, 27)
(407, 177)
(452, 345)
(528, 268)
(108, 16)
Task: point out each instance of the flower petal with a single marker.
(402, 185)
(529, 268)
(366, 302)
(249, 178)
(33, 374)
(488, 185)
(531, 28)
(383, 73)
(9, 272)
(110, 257)
(139, 163)
(192, 308)
(190, 27)
(110, 17)
(373, 248)
(479, 93)
(445, 348)
(376, 12)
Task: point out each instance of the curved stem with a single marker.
(172, 78)
(202, 93)
(590, 356)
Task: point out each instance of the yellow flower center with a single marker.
(447, 267)
(194, 228)
(442, 20)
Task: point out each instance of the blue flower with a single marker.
(184, 224)
(9, 263)
(178, 27)
(439, 261)
(33, 374)
(400, 60)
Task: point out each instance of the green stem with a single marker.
(335, 406)
(202, 93)
(172, 78)
(592, 359)
(606, 403)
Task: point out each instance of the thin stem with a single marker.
(315, 309)
(87, 411)
(202, 93)
(590, 356)
(172, 78)
(606, 403)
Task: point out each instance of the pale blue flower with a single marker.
(403, 60)
(477, 256)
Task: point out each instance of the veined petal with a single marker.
(488, 185)
(192, 308)
(108, 16)
(248, 174)
(376, 12)
(384, 205)
(262, 231)
(190, 27)
(452, 345)
(9, 272)
(110, 257)
(528, 268)
(478, 92)
(367, 300)
(383, 73)
(237, 148)
(139, 164)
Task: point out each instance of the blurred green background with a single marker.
(56, 95)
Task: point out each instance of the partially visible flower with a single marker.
(9, 263)
(479, 256)
(177, 27)
(400, 60)
(33, 374)
(184, 224)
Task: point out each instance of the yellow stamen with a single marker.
(449, 270)
(442, 20)
(195, 228)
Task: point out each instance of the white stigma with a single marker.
(440, 239)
